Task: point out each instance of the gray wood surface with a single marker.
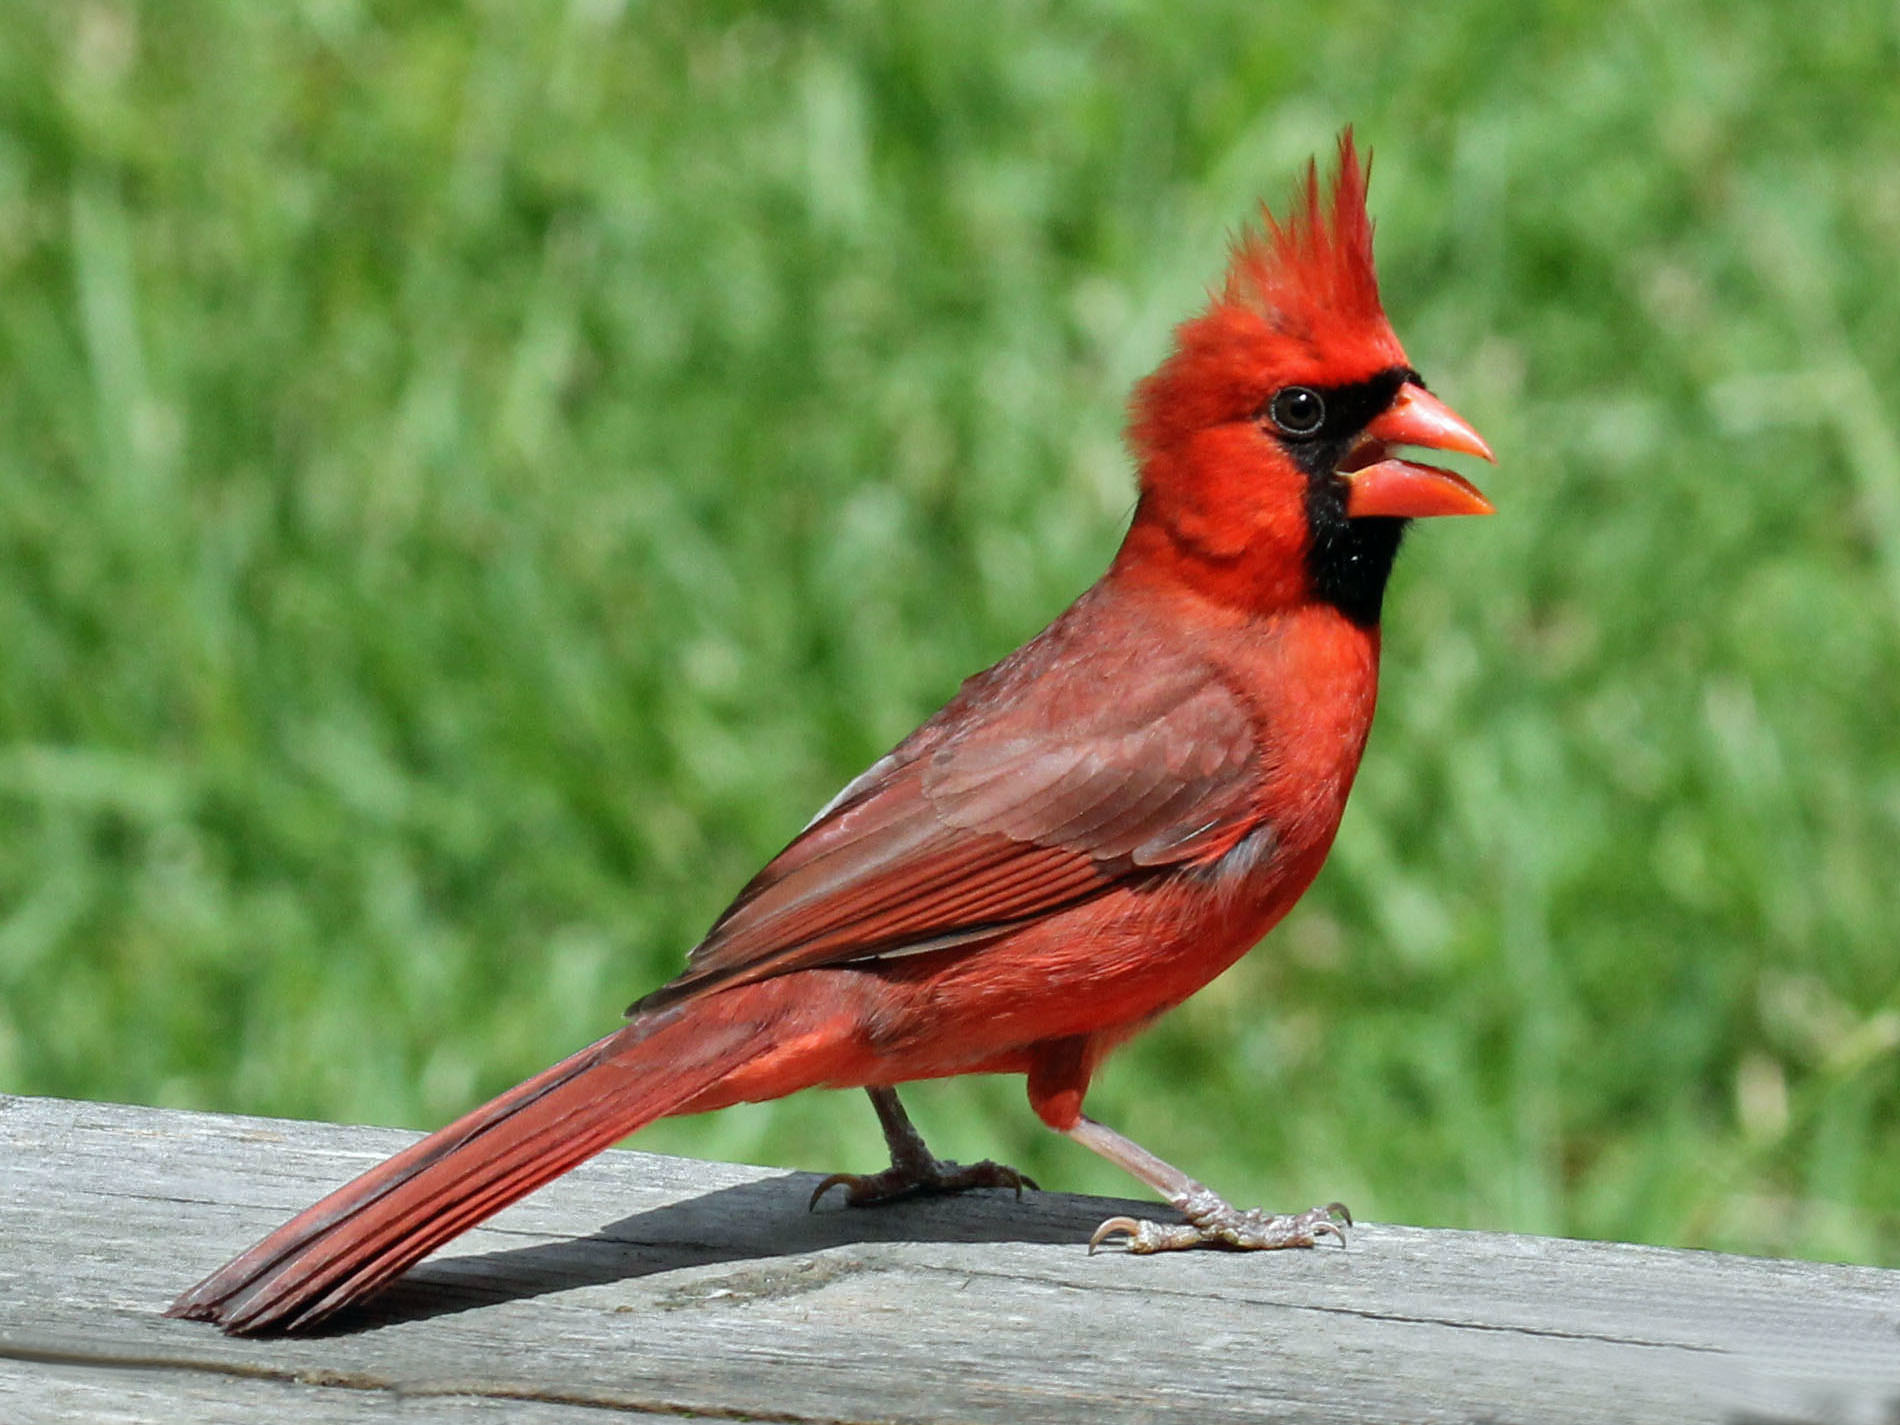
(678, 1289)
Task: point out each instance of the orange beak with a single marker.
(1379, 485)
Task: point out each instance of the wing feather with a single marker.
(1047, 781)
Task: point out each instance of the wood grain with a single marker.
(674, 1289)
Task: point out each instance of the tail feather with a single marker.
(370, 1230)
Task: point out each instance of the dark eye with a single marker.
(1297, 410)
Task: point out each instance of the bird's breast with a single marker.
(1312, 682)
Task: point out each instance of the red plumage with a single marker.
(1085, 835)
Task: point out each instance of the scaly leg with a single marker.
(913, 1171)
(1211, 1221)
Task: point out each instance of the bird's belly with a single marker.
(1102, 969)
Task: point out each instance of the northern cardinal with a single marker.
(1084, 836)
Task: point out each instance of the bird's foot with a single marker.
(1211, 1222)
(921, 1178)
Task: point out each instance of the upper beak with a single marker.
(1404, 488)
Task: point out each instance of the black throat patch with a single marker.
(1348, 560)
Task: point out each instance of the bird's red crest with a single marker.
(1314, 272)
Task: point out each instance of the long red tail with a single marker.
(369, 1231)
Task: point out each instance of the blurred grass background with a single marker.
(473, 479)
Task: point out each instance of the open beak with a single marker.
(1377, 484)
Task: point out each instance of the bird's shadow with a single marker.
(755, 1221)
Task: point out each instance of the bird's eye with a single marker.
(1298, 410)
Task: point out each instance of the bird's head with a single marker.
(1267, 439)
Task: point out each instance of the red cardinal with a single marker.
(1089, 832)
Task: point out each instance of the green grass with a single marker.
(472, 480)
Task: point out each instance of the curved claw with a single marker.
(1341, 1211)
(1126, 1226)
(844, 1180)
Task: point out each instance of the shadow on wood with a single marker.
(753, 1222)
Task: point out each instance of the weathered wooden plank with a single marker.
(671, 1287)
(68, 1392)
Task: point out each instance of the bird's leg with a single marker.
(1211, 1221)
(913, 1171)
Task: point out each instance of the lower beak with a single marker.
(1404, 488)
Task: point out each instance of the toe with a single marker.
(996, 1175)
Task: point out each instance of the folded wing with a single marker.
(1042, 785)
